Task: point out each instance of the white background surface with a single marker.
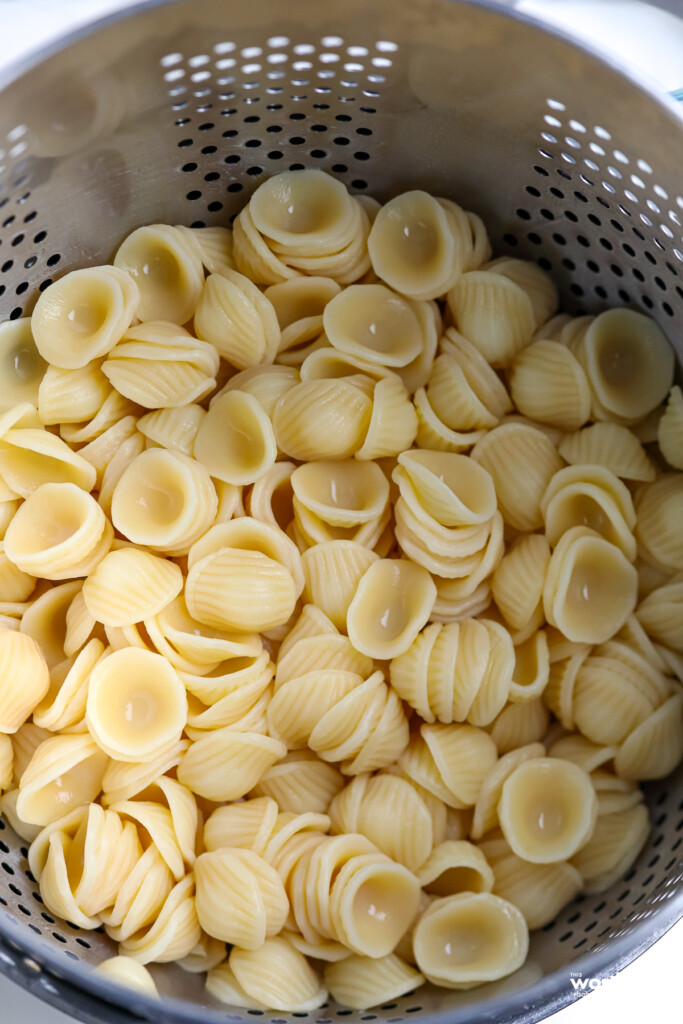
(652, 41)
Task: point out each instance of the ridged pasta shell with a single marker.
(614, 846)
(494, 313)
(521, 461)
(222, 984)
(333, 571)
(670, 430)
(71, 396)
(393, 601)
(214, 245)
(30, 458)
(301, 782)
(660, 614)
(237, 319)
(247, 825)
(486, 807)
(266, 383)
(534, 281)
(77, 761)
(278, 975)
(432, 433)
(174, 933)
(130, 585)
(453, 398)
(482, 378)
(225, 765)
(455, 866)
(173, 428)
(322, 419)
(548, 384)
(609, 445)
(517, 582)
(361, 982)
(240, 898)
(167, 268)
(462, 756)
(655, 746)
(519, 725)
(129, 973)
(23, 366)
(449, 487)
(140, 898)
(24, 679)
(540, 891)
(659, 507)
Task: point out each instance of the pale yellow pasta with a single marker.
(463, 940)
(346, 493)
(172, 428)
(371, 321)
(322, 419)
(660, 614)
(21, 365)
(158, 365)
(240, 898)
(83, 315)
(629, 364)
(452, 402)
(71, 396)
(521, 461)
(301, 782)
(174, 933)
(168, 813)
(129, 585)
(590, 588)
(6, 762)
(253, 257)
(480, 376)
(129, 973)
(590, 496)
(140, 897)
(307, 213)
(547, 383)
(314, 644)
(25, 742)
(101, 449)
(613, 848)
(520, 724)
(485, 815)
(333, 571)
(390, 812)
(214, 245)
(29, 458)
(167, 270)
(279, 976)
(193, 647)
(610, 445)
(361, 982)
(393, 601)
(655, 746)
(247, 825)
(271, 498)
(537, 284)
(64, 772)
(225, 764)
(494, 313)
(393, 422)
(24, 678)
(222, 984)
(532, 668)
(457, 672)
(299, 304)
(451, 761)
(164, 500)
(452, 489)
(238, 320)
(455, 866)
(659, 506)
(670, 430)
(7, 511)
(240, 590)
(266, 382)
(64, 703)
(136, 705)
(207, 954)
(517, 583)
(540, 891)
(235, 694)
(415, 246)
(547, 810)
(15, 586)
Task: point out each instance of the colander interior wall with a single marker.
(176, 112)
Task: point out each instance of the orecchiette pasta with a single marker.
(167, 269)
(238, 320)
(21, 365)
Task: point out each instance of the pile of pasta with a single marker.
(341, 591)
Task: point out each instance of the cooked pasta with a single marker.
(340, 593)
(463, 940)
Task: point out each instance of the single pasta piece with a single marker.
(173, 934)
(613, 848)
(537, 284)
(129, 973)
(63, 773)
(169, 815)
(540, 891)
(517, 583)
(130, 585)
(15, 586)
(415, 246)
(590, 496)
(266, 383)
(172, 428)
(494, 313)
(322, 419)
(63, 706)
(660, 614)
(140, 898)
(158, 365)
(164, 500)
(392, 603)
(590, 588)
(6, 762)
(279, 976)
(629, 364)
(60, 532)
(520, 724)
(547, 383)
(301, 782)
(610, 445)
(45, 620)
(21, 365)
(136, 705)
(451, 761)
(303, 213)
(547, 809)
(71, 396)
(299, 305)
(333, 570)
(393, 423)
(532, 668)
(214, 246)
(83, 315)
(361, 982)
(347, 493)
(30, 457)
(485, 815)
(240, 898)
(655, 747)
(390, 812)
(449, 487)
(455, 866)
(238, 320)
(235, 442)
(207, 954)
(521, 460)
(670, 430)
(457, 672)
(659, 506)
(222, 984)
(248, 825)
(374, 323)
(167, 270)
(464, 940)
(197, 649)
(225, 764)
(24, 679)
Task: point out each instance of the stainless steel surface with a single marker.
(175, 112)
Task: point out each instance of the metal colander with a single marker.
(175, 112)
